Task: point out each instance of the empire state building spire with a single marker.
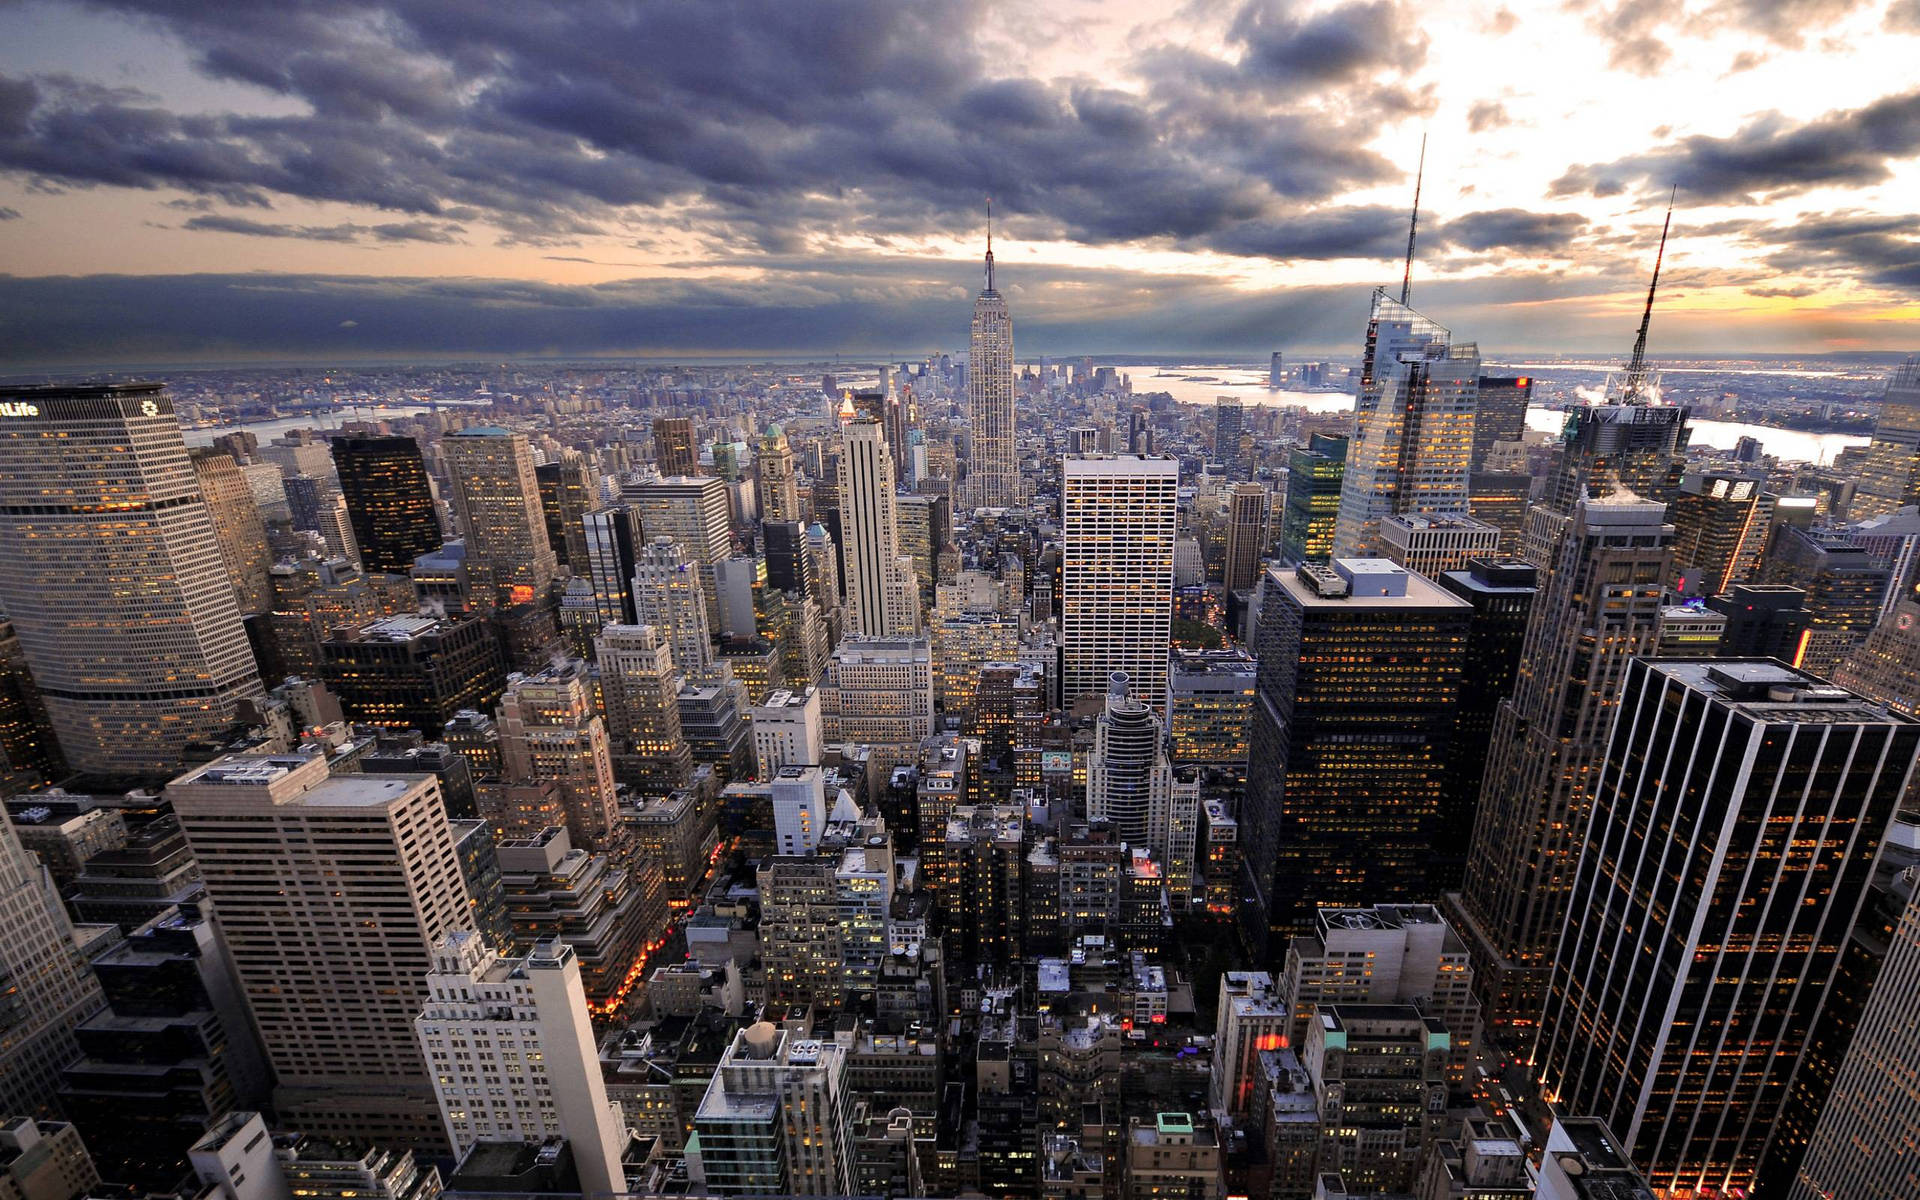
(989, 243)
(993, 479)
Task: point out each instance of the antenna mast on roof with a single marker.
(989, 243)
(1637, 365)
(1413, 223)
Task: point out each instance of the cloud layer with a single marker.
(734, 150)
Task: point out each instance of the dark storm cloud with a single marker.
(1516, 229)
(1343, 43)
(1770, 156)
(859, 306)
(216, 223)
(401, 231)
(1883, 249)
(762, 120)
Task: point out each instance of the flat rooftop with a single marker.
(78, 391)
(1421, 592)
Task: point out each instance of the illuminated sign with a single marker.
(149, 408)
(1056, 760)
(18, 408)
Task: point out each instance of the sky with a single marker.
(201, 180)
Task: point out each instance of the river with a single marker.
(273, 427)
(1203, 384)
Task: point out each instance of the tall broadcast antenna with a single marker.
(1413, 223)
(1636, 376)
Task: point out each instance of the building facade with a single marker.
(1119, 519)
(331, 890)
(1735, 822)
(111, 572)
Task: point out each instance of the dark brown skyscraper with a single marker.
(388, 501)
(568, 491)
(1598, 606)
(673, 450)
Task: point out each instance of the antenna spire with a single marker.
(989, 243)
(1413, 223)
(1637, 365)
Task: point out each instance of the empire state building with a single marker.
(994, 480)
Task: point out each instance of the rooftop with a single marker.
(1420, 592)
(78, 391)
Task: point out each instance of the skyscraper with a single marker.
(1735, 821)
(1863, 1145)
(1229, 421)
(789, 567)
(111, 572)
(1118, 520)
(47, 985)
(674, 452)
(1844, 586)
(389, 500)
(694, 513)
(1314, 480)
(496, 496)
(613, 543)
(639, 690)
(569, 489)
(1360, 667)
(1639, 446)
(883, 598)
(1385, 954)
(1412, 443)
(1431, 544)
(331, 891)
(1890, 478)
(667, 595)
(776, 1117)
(879, 692)
(1500, 415)
(779, 496)
(1597, 607)
(1129, 780)
(1502, 593)
(549, 731)
(993, 472)
(1210, 698)
(1720, 522)
(237, 527)
(1247, 506)
(513, 1054)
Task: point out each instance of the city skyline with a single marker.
(1411, 774)
(371, 180)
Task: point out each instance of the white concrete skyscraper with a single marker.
(513, 1055)
(112, 574)
(1118, 518)
(993, 473)
(883, 599)
(44, 978)
(331, 890)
